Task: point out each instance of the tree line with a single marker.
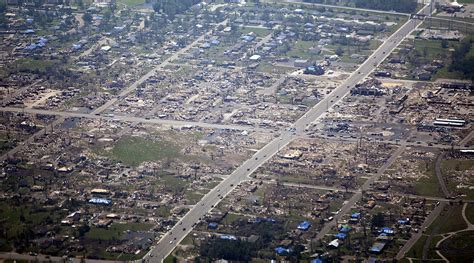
(404, 6)
(462, 60)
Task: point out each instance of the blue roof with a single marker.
(282, 250)
(100, 201)
(345, 229)
(212, 225)
(305, 225)
(317, 260)
(355, 215)
(248, 38)
(341, 235)
(403, 222)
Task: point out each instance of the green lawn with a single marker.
(417, 249)
(470, 213)
(449, 220)
(428, 185)
(134, 150)
(193, 197)
(459, 248)
(131, 3)
(301, 48)
(32, 65)
(115, 231)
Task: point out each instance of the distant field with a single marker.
(131, 3)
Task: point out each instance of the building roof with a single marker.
(305, 225)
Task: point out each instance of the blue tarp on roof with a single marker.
(341, 235)
(387, 230)
(282, 250)
(317, 260)
(305, 225)
(355, 215)
(403, 221)
(76, 46)
(345, 229)
(248, 38)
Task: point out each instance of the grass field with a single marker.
(131, 3)
(428, 186)
(115, 231)
(459, 248)
(470, 213)
(32, 65)
(449, 220)
(134, 150)
(193, 197)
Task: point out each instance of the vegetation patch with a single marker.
(459, 248)
(134, 150)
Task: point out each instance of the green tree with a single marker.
(378, 220)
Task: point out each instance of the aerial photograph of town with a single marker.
(149, 131)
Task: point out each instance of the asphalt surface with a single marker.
(168, 242)
(131, 119)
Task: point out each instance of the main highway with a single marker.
(169, 241)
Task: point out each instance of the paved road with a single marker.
(439, 175)
(123, 118)
(168, 242)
